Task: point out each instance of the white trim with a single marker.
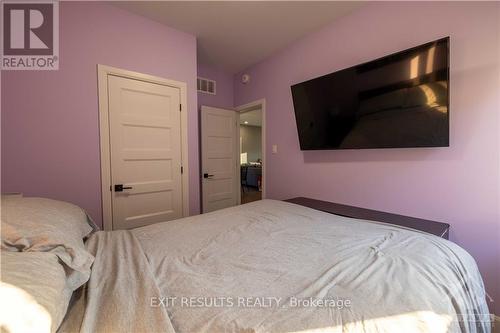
(242, 108)
(238, 158)
(102, 77)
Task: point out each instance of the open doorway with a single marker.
(251, 136)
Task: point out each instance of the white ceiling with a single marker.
(234, 35)
(252, 118)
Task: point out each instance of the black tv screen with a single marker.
(397, 101)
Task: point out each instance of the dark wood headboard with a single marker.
(436, 228)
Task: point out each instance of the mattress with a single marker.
(273, 266)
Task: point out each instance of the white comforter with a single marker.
(272, 266)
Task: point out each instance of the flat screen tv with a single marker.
(398, 101)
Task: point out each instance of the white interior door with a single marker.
(219, 160)
(145, 147)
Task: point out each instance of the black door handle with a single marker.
(120, 188)
(206, 175)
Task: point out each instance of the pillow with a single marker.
(34, 294)
(40, 225)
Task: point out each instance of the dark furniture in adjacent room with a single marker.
(250, 175)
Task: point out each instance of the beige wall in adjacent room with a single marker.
(251, 142)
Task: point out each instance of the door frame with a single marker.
(242, 109)
(103, 72)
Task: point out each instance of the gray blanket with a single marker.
(117, 296)
(272, 266)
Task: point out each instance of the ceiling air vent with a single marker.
(206, 86)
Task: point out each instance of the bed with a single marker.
(275, 266)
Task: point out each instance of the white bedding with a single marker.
(382, 278)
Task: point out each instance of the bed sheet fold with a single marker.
(117, 298)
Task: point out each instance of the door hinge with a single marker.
(182, 170)
(180, 107)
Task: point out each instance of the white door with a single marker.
(145, 146)
(219, 162)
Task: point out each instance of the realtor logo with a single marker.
(30, 35)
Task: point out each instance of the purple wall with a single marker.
(458, 185)
(50, 133)
(50, 144)
(224, 85)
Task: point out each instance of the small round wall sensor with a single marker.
(245, 78)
